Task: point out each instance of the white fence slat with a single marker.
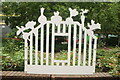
(69, 43)
(90, 51)
(47, 44)
(31, 48)
(84, 52)
(36, 48)
(53, 42)
(74, 44)
(59, 28)
(26, 55)
(80, 45)
(64, 28)
(63, 64)
(57, 63)
(94, 53)
(42, 41)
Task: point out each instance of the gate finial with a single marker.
(42, 19)
(73, 12)
(83, 16)
(56, 19)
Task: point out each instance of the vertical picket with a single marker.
(69, 43)
(47, 44)
(90, 50)
(26, 55)
(52, 48)
(80, 45)
(31, 48)
(63, 64)
(36, 48)
(59, 28)
(64, 28)
(84, 52)
(94, 53)
(74, 44)
(57, 63)
(42, 41)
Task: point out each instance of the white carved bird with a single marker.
(19, 29)
(30, 25)
(73, 12)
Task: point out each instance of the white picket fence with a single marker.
(42, 61)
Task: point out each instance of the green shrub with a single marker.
(12, 54)
(15, 62)
(11, 45)
(107, 60)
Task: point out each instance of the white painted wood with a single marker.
(56, 21)
(64, 28)
(42, 41)
(60, 61)
(26, 55)
(63, 64)
(84, 51)
(31, 49)
(47, 44)
(80, 45)
(36, 48)
(69, 43)
(53, 42)
(42, 19)
(57, 63)
(94, 54)
(90, 51)
(71, 70)
(74, 44)
(59, 28)
(61, 34)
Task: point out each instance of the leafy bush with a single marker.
(12, 54)
(13, 59)
(108, 60)
(11, 45)
(15, 62)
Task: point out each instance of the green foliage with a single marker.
(15, 62)
(101, 43)
(107, 14)
(10, 45)
(108, 60)
(12, 54)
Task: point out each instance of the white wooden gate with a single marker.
(39, 59)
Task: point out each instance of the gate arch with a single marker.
(42, 61)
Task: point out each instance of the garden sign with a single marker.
(39, 55)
